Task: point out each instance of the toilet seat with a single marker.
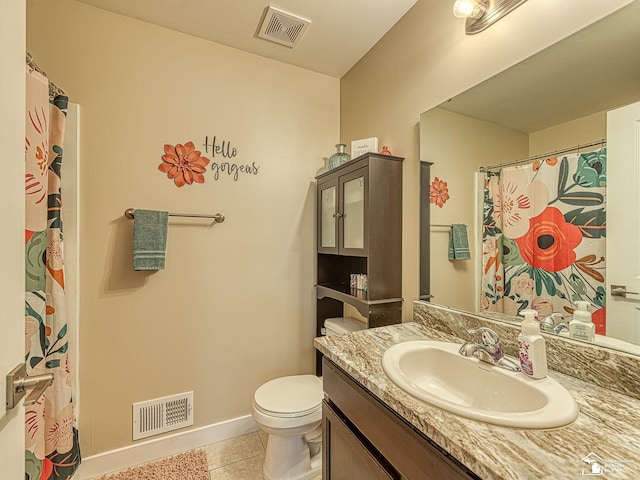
(289, 410)
(290, 397)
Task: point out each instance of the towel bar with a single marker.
(218, 217)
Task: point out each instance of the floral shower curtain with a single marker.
(544, 233)
(52, 450)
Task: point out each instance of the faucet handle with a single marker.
(548, 323)
(489, 337)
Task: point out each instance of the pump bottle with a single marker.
(582, 326)
(533, 353)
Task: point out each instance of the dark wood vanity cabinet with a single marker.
(359, 225)
(347, 455)
(365, 440)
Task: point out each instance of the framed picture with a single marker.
(366, 145)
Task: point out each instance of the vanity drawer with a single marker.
(409, 452)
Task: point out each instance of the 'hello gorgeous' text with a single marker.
(233, 169)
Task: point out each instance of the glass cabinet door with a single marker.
(353, 213)
(328, 211)
(342, 229)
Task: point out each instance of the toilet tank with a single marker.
(340, 325)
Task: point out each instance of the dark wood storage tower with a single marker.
(359, 215)
(425, 231)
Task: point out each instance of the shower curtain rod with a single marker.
(53, 88)
(544, 155)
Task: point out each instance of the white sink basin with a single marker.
(436, 373)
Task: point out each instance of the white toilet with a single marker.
(289, 409)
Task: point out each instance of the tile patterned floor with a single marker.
(236, 458)
(239, 458)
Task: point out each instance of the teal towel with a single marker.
(458, 243)
(149, 239)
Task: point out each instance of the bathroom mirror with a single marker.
(554, 100)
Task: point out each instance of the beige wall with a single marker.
(235, 305)
(576, 132)
(427, 58)
(458, 145)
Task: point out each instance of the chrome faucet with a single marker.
(548, 324)
(489, 350)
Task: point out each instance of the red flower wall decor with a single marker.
(184, 164)
(438, 191)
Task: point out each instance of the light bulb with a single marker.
(468, 8)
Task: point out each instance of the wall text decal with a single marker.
(216, 148)
(224, 149)
(233, 170)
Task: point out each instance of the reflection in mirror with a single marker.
(552, 102)
(353, 216)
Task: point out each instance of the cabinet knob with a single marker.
(338, 215)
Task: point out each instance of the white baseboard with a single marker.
(150, 450)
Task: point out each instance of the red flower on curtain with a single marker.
(438, 191)
(47, 469)
(184, 164)
(550, 242)
(599, 317)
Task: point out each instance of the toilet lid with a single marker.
(293, 396)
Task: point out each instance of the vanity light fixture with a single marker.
(482, 13)
(470, 8)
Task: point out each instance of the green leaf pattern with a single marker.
(48, 456)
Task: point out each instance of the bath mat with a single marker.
(190, 465)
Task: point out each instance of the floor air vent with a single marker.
(162, 415)
(283, 27)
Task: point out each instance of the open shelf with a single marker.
(356, 298)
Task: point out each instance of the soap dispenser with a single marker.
(533, 353)
(582, 326)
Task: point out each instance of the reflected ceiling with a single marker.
(598, 81)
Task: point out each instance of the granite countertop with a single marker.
(608, 425)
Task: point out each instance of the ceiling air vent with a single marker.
(283, 27)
